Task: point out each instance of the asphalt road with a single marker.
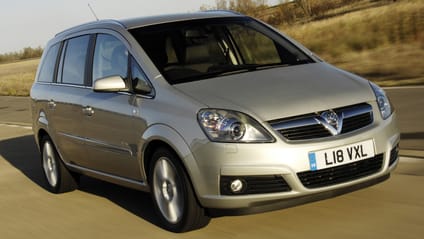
(392, 209)
(409, 106)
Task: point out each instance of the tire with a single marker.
(173, 195)
(58, 177)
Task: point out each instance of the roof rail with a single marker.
(88, 24)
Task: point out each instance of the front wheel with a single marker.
(59, 179)
(173, 194)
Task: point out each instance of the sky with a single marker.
(31, 23)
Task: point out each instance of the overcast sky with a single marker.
(32, 23)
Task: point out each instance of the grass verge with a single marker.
(16, 78)
(384, 44)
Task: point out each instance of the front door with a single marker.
(109, 118)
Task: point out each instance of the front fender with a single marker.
(169, 136)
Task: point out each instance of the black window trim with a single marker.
(88, 81)
(60, 62)
(58, 59)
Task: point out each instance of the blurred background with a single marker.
(381, 40)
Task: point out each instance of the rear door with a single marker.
(65, 103)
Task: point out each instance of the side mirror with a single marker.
(110, 84)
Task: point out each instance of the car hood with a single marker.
(281, 92)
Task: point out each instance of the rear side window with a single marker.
(74, 61)
(48, 66)
(110, 58)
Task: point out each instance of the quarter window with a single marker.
(139, 81)
(74, 61)
(110, 58)
(47, 70)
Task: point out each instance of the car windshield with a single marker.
(201, 49)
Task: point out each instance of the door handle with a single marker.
(51, 105)
(87, 110)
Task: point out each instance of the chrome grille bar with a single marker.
(313, 125)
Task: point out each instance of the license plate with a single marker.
(333, 157)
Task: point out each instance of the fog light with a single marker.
(237, 186)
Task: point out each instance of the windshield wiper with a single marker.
(222, 70)
(229, 68)
(232, 69)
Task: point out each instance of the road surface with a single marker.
(392, 209)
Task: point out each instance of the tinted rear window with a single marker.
(48, 66)
(74, 60)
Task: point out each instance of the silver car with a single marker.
(214, 113)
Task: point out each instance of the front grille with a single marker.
(255, 184)
(394, 153)
(356, 122)
(342, 173)
(312, 126)
(305, 132)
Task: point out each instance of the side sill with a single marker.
(125, 182)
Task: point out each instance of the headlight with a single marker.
(231, 126)
(382, 101)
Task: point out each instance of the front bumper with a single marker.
(285, 159)
(264, 206)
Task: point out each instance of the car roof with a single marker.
(152, 20)
(131, 23)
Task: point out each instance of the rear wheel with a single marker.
(58, 177)
(173, 195)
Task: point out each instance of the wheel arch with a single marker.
(40, 135)
(40, 128)
(158, 136)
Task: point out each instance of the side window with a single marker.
(75, 56)
(110, 58)
(48, 66)
(138, 78)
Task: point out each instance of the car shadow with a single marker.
(22, 153)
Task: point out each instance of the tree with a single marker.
(26, 53)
